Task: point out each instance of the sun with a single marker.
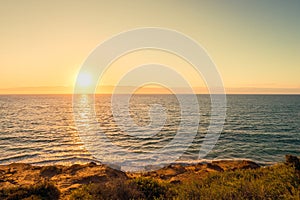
(84, 79)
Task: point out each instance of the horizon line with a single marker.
(149, 90)
(7, 94)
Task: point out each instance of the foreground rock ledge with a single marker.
(68, 178)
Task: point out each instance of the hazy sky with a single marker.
(255, 44)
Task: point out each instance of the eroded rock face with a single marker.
(50, 171)
(236, 164)
(177, 173)
(293, 160)
(65, 178)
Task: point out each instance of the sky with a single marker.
(254, 44)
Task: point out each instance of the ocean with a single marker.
(40, 129)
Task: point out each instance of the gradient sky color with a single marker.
(255, 44)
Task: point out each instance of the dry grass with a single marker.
(276, 182)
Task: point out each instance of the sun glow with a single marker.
(84, 80)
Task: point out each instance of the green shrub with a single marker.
(139, 188)
(277, 182)
(113, 190)
(41, 191)
(151, 188)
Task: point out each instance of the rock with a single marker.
(292, 160)
(236, 164)
(50, 171)
(170, 171)
(92, 164)
(246, 164)
(113, 173)
(74, 168)
(19, 166)
(214, 167)
(175, 181)
(91, 179)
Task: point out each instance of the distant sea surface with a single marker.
(40, 129)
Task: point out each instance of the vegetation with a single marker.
(117, 189)
(41, 191)
(276, 182)
(139, 188)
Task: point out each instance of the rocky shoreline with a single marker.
(69, 178)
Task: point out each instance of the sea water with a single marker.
(40, 129)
